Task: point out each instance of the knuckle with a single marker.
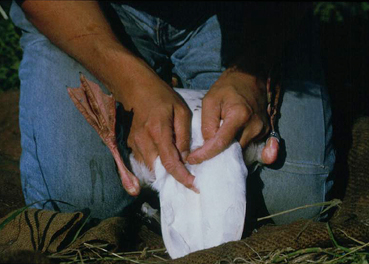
(183, 144)
(208, 100)
(154, 131)
(170, 166)
(137, 139)
(259, 126)
(134, 138)
(184, 112)
(130, 141)
(243, 113)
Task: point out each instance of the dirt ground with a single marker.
(11, 197)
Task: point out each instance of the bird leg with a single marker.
(100, 112)
(273, 96)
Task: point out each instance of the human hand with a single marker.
(239, 100)
(161, 126)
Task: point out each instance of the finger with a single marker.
(253, 130)
(210, 118)
(182, 126)
(222, 139)
(149, 153)
(170, 159)
(143, 149)
(270, 152)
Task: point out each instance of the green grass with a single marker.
(10, 52)
(340, 11)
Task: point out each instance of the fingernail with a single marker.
(195, 190)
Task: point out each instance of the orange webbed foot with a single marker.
(100, 112)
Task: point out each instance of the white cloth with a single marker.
(191, 221)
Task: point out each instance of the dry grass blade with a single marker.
(253, 250)
(158, 257)
(350, 237)
(349, 253)
(297, 253)
(330, 204)
(3, 13)
(80, 256)
(95, 253)
(110, 253)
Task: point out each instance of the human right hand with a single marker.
(160, 126)
(161, 121)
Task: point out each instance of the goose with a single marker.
(189, 221)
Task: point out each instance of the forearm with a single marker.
(80, 29)
(160, 116)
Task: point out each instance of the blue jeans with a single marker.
(64, 159)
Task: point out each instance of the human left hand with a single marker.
(239, 100)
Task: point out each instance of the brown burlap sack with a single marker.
(39, 230)
(111, 231)
(34, 231)
(350, 220)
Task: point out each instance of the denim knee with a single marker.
(301, 174)
(63, 158)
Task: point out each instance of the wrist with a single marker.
(126, 76)
(242, 80)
